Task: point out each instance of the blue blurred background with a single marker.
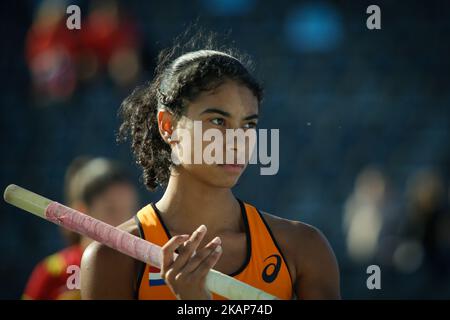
(363, 116)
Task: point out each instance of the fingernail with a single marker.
(202, 228)
(217, 240)
(218, 249)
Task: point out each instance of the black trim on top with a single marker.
(158, 214)
(247, 234)
(142, 264)
(277, 246)
(248, 237)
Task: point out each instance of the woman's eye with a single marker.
(218, 121)
(250, 125)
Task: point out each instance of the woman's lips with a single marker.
(232, 167)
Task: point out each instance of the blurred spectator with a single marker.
(366, 210)
(72, 197)
(425, 235)
(51, 53)
(59, 58)
(101, 189)
(110, 41)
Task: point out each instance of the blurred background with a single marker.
(363, 115)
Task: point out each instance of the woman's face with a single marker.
(229, 106)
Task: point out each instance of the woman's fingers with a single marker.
(186, 251)
(186, 274)
(207, 263)
(201, 255)
(168, 250)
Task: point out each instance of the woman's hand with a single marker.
(186, 274)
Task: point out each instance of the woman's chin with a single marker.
(228, 175)
(217, 175)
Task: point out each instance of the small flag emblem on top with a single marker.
(154, 277)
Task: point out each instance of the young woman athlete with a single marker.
(198, 216)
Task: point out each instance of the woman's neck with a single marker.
(188, 202)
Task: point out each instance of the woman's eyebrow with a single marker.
(251, 117)
(215, 110)
(227, 114)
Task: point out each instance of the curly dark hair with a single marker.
(181, 74)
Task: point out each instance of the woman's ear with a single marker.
(165, 124)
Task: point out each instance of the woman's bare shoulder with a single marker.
(291, 229)
(296, 239)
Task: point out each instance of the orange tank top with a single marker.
(264, 268)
